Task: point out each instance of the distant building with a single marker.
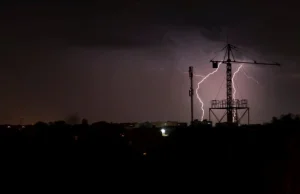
(130, 125)
(202, 123)
(159, 124)
(146, 125)
(182, 125)
(225, 124)
(171, 123)
(164, 124)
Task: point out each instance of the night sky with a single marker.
(125, 61)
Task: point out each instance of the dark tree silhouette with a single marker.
(84, 122)
(73, 119)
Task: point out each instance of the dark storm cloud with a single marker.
(87, 25)
(120, 61)
(115, 24)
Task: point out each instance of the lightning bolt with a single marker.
(198, 86)
(234, 74)
(233, 85)
(234, 89)
(250, 77)
(196, 75)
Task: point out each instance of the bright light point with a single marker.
(163, 131)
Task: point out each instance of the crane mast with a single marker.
(229, 86)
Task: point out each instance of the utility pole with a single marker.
(191, 93)
(231, 106)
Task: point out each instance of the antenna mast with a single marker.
(191, 93)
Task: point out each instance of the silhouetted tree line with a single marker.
(251, 152)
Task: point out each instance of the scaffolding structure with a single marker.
(237, 106)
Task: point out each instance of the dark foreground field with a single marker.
(249, 159)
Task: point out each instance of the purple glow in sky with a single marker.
(120, 62)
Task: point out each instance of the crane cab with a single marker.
(215, 65)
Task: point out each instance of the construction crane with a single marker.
(230, 59)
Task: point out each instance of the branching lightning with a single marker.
(230, 85)
(198, 86)
(250, 77)
(196, 75)
(233, 85)
(234, 89)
